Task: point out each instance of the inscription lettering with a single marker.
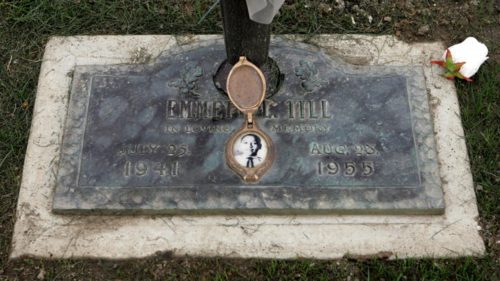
(219, 110)
(330, 168)
(302, 128)
(342, 149)
(190, 129)
(172, 150)
(189, 109)
(349, 168)
(308, 109)
(194, 129)
(143, 168)
(368, 168)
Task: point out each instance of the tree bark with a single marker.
(242, 36)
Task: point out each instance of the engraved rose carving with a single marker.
(186, 84)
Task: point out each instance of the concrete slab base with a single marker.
(41, 233)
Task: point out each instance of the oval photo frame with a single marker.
(247, 164)
(246, 86)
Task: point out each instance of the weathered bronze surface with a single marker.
(152, 139)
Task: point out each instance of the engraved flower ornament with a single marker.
(464, 59)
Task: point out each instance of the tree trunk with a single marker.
(242, 36)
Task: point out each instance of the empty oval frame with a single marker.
(246, 86)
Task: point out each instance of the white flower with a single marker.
(263, 11)
(472, 52)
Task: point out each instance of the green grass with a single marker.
(481, 116)
(25, 27)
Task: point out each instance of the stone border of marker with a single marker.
(41, 233)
